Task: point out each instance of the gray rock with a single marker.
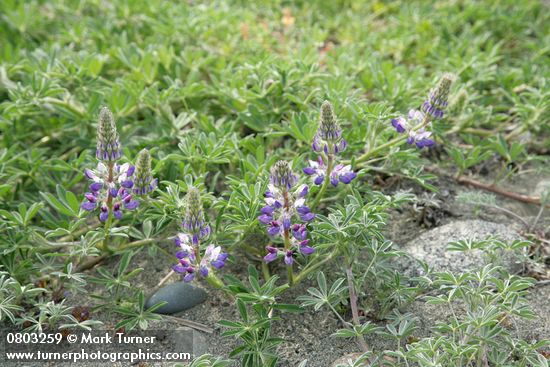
(188, 340)
(431, 246)
(542, 187)
(180, 296)
(347, 360)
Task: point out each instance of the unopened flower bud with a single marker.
(459, 102)
(437, 101)
(144, 182)
(329, 134)
(108, 144)
(282, 175)
(193, 220)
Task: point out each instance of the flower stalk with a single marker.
(285, 204)
(415, 124)
(192, 260)
(326, 181)
(328, 142)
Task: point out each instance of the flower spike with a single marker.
(190, 262)
(282, 211)
(329, 141)
(437, 100)
(108, 144)
(144, 182)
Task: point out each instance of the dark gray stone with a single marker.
(180, 296)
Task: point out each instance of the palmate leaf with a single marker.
(322, 296)
(136, 315)
(8, 308)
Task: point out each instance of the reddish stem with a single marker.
(354, 309)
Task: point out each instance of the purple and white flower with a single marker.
(196, 229)
(421, 138)
(417, 120)
(340, 173)
(110, 192)
(285, 208)
(187, 266)
(412, 126)
(296, 247)
(328, 141)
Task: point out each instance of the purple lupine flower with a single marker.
(413, 126)
(305, 249)
(328, 138)
(437, 100)
(340, 173)
(283, 208)
(289, 257)
(401, 125)
(196, 229)
(299, 232)
(274, 228)
(272, 253)
(104, 213)
(187, 265)
(417, 120)
(421, 138)
(109, 189)
(328, 141)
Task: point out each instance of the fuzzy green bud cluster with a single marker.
(144, 182)
(108, 144)
(193, 220)
(329, 134)
(438, 99)
(282, 175)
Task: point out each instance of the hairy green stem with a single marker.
(304, 273)
(326, 181)
(265, 271)
(344, 322)
(396, 141)
(81, 231)
(289, 269)
(138, 243)
(379, 148)
(214, 281)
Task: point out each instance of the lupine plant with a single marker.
(285, 205)
(417, 121)
(192, 259)
(111, 182)
(328, 142)
(114, 186)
